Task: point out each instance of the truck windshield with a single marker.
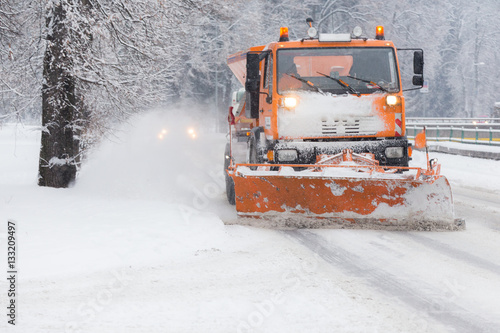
(365, 69)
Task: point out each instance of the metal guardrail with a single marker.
(454, 133)
(480, 121)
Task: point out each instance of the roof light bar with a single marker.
(334, 37)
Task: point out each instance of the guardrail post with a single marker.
(462, 136)
(451, 133)
(491, 136)
(437, 133)
(477, 134)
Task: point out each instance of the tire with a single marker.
(252, 153)
(231, 198)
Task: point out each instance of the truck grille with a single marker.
(364, 126)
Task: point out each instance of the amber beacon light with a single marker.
(380, 33)
(284, 34)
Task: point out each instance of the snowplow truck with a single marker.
(323, 125)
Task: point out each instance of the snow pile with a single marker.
(458, 170)
(341, 170)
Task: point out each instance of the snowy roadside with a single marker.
(467, 146)
(458, 170)
(491, 152)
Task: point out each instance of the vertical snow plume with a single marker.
(165, 154)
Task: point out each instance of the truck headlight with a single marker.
(394, 152)
(286, 155)
(392, 100)
(289, 102)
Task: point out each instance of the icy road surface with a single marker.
(138, 245)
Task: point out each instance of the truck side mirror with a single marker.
(418, 62)
(252, 85)
(418, 80)
(418, 68)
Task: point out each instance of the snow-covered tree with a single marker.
(20, 61)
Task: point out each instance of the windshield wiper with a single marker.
(343, 84)
(370, 82)
(309, 83)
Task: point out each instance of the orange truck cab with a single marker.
(323, 94)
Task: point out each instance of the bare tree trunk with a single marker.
(57, 166)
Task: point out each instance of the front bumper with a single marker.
(308, 150)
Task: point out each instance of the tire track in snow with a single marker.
(477, 205)
(478, 213)
(478, 196)
(454, 253)
(441, 310)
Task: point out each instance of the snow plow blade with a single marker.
(343, 197)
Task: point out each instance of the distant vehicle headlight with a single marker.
(192, 133)
(162, 134)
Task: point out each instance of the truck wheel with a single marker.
(229, 181)
(230, 191)
(252, 153)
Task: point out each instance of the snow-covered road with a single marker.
(138, 245)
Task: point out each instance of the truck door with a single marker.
(266, 98)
